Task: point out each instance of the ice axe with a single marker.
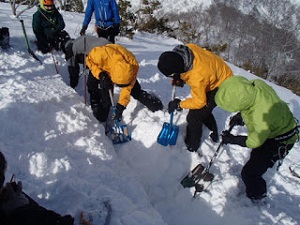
(119, 133)
(169, 132)
(27, 43)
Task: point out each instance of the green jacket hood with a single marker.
(235, 94)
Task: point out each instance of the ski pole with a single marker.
(84, 68)
(205, 172)
(217, 151)
(55, 62)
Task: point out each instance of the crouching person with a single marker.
(203, 72)
(272, 129)
(75, 51)
(114, 64)
(18, 208)
(48, 25)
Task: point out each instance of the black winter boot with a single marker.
(211, 124)
(152, 102)
(65, 220)
(4, 37)
(193, 137)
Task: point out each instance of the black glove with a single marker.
(116, 29)
(177, 81)
(52, 35)
(119, 111)
(105, 81)
(228, 138)
(83, 29)
(236, 120)
(174, 105)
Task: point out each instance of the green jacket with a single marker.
(265, 115)
(46, 24)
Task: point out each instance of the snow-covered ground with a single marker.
(55, 146)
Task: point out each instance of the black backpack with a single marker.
(4, 37)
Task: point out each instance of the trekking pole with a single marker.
(217, 151)
(205, 174)
(84, 68)
(55, 62)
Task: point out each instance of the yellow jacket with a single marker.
(119, 63)
(207, 74)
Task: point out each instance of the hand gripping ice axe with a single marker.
(119, 133)
(169, 132)
(201, 173)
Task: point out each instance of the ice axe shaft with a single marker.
(169, 132)
(119, 133)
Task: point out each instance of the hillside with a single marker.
(59, 151)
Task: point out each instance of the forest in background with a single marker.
(262, 37)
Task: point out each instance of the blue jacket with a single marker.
(106, 13)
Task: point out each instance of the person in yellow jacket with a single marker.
(204, 72)
(114, 64)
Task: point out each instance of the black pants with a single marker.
(34, 214)
(107, 33)
(46, 45)
(4, 37)
(74, 70)
(261, 159)
(197, 117)
(100, 100)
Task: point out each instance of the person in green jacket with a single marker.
(272, 128)
(48, 25)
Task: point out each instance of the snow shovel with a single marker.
(169, 132)
(119, 133)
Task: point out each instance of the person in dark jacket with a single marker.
(203, 71)
(76, 50)
(17, 208)
(272, 129)
(48, 26)
(107, 18)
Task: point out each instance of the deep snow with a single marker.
(55, 146)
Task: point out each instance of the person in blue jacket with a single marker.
(107, 18)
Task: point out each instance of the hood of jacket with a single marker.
(236, 94)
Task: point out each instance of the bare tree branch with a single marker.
(15, 6)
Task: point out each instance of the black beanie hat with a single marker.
(170, 62)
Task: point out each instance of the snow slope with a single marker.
(56, 147)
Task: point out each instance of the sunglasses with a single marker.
(123, 85)
(49, 7)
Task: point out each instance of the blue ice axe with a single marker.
(119, 133)
(169, 132)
